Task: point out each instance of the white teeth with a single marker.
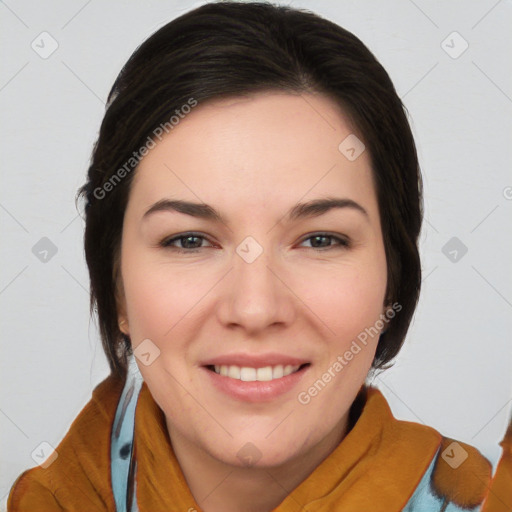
(248, 374)
(277, 371)
(234, 372)
(264, 374)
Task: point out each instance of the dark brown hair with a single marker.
(227, 49)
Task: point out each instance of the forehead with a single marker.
(256, 151)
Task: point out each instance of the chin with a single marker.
(258, 449)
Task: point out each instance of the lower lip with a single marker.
(256, 391)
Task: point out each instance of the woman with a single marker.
(253, 207)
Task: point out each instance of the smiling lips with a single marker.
(255, 378)
(249, 374)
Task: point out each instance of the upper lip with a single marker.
(254, 360)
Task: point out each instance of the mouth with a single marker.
(255, 381)
(261, 374)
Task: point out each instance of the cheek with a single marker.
(348, 307)
(157, 307)
(347, 300)
(147, 294)
(155, 302)
(157, 293)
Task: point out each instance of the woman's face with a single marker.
(243, 306)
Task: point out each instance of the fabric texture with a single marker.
(382, 464)
(499, 497)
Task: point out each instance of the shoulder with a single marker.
(454, 472)
(458, 479)
(80, 474)
(461, 474)
(445, 470)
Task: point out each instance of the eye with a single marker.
(193, 242)
(321, 241)
(190, 242)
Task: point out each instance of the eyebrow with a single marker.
(299, 211)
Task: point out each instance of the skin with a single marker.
(252, 159)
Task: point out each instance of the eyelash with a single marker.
(343, 243)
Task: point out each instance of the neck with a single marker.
(220, 487)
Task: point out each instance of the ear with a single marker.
(122, 317)
(122, 320)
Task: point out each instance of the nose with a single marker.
(255, 295)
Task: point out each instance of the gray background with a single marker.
(454, 372)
